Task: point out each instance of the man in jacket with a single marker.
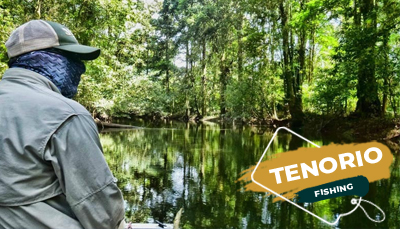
(52, 170)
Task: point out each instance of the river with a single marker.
(167, 166)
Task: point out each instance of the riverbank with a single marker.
(347, 129)
(351, 129)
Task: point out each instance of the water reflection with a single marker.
(164, 168)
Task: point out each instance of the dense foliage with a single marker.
(240, 59)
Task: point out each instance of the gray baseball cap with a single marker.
(40, 34)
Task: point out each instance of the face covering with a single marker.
(64, 72)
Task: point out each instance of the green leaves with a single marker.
(224, 57)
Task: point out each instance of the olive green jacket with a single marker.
(52, 170)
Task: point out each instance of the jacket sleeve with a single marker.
(76, 154)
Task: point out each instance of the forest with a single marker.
(246, 60)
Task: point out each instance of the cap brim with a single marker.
(84, 52)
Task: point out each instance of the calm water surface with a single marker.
(168, 166)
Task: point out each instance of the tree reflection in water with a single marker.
(195, 167)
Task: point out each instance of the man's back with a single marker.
(50, 159)
(29, 114)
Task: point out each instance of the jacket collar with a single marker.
(28, 76)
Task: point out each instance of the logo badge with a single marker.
(314, 174)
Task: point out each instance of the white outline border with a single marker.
(269, 190)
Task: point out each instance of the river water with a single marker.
(170, 165)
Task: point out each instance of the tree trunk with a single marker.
(224, 70)
(385, 74)
(39, 9)
(187, 102)
(167, 69)
(240, 48)
(392, 99)
(203, 80)
(286, 65)
(311, 56)
(301, 71)
(368, 103)
(292, 84)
